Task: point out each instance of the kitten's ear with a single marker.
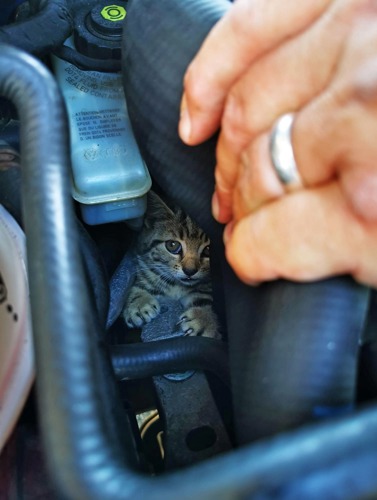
(157, 210)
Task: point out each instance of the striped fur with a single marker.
(172, 261)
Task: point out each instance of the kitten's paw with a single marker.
(199, 321)
(141, 310)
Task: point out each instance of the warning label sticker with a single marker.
(102, 124)
(101, 85)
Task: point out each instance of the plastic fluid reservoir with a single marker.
(110, 178)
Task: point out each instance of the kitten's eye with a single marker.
(173, 246)
(205, 252)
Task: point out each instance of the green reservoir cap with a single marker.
(98, 33)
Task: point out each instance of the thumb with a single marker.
(304, 236)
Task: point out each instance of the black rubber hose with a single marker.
(85, 456)
(298, 359)
(96, 274)
(154, 65)
(10, 198)
(44, 31)
(174, 355)
(293, 347)
(73, 373)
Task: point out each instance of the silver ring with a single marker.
(282, 155)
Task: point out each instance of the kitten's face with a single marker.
(174, 245)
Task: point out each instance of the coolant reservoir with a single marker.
(109, 177)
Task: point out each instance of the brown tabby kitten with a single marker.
(172, 261)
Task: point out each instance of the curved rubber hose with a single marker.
(96, 273)
(312, 329)
(66, 332)
(154, 65)
(85, 457)
(170, 356)
(44, 31)
(302, 354)
(10, 197)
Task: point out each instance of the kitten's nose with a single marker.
(189, 271)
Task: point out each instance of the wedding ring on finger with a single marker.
(282, 155)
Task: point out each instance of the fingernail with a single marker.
(184, 122)
(215, 206)
(228, 232)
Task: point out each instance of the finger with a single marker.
(333, 136)
(222, 205)
(276, 84)
(309, 235)
(257, 181)
(249, 29)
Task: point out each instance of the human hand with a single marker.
(319, 61)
